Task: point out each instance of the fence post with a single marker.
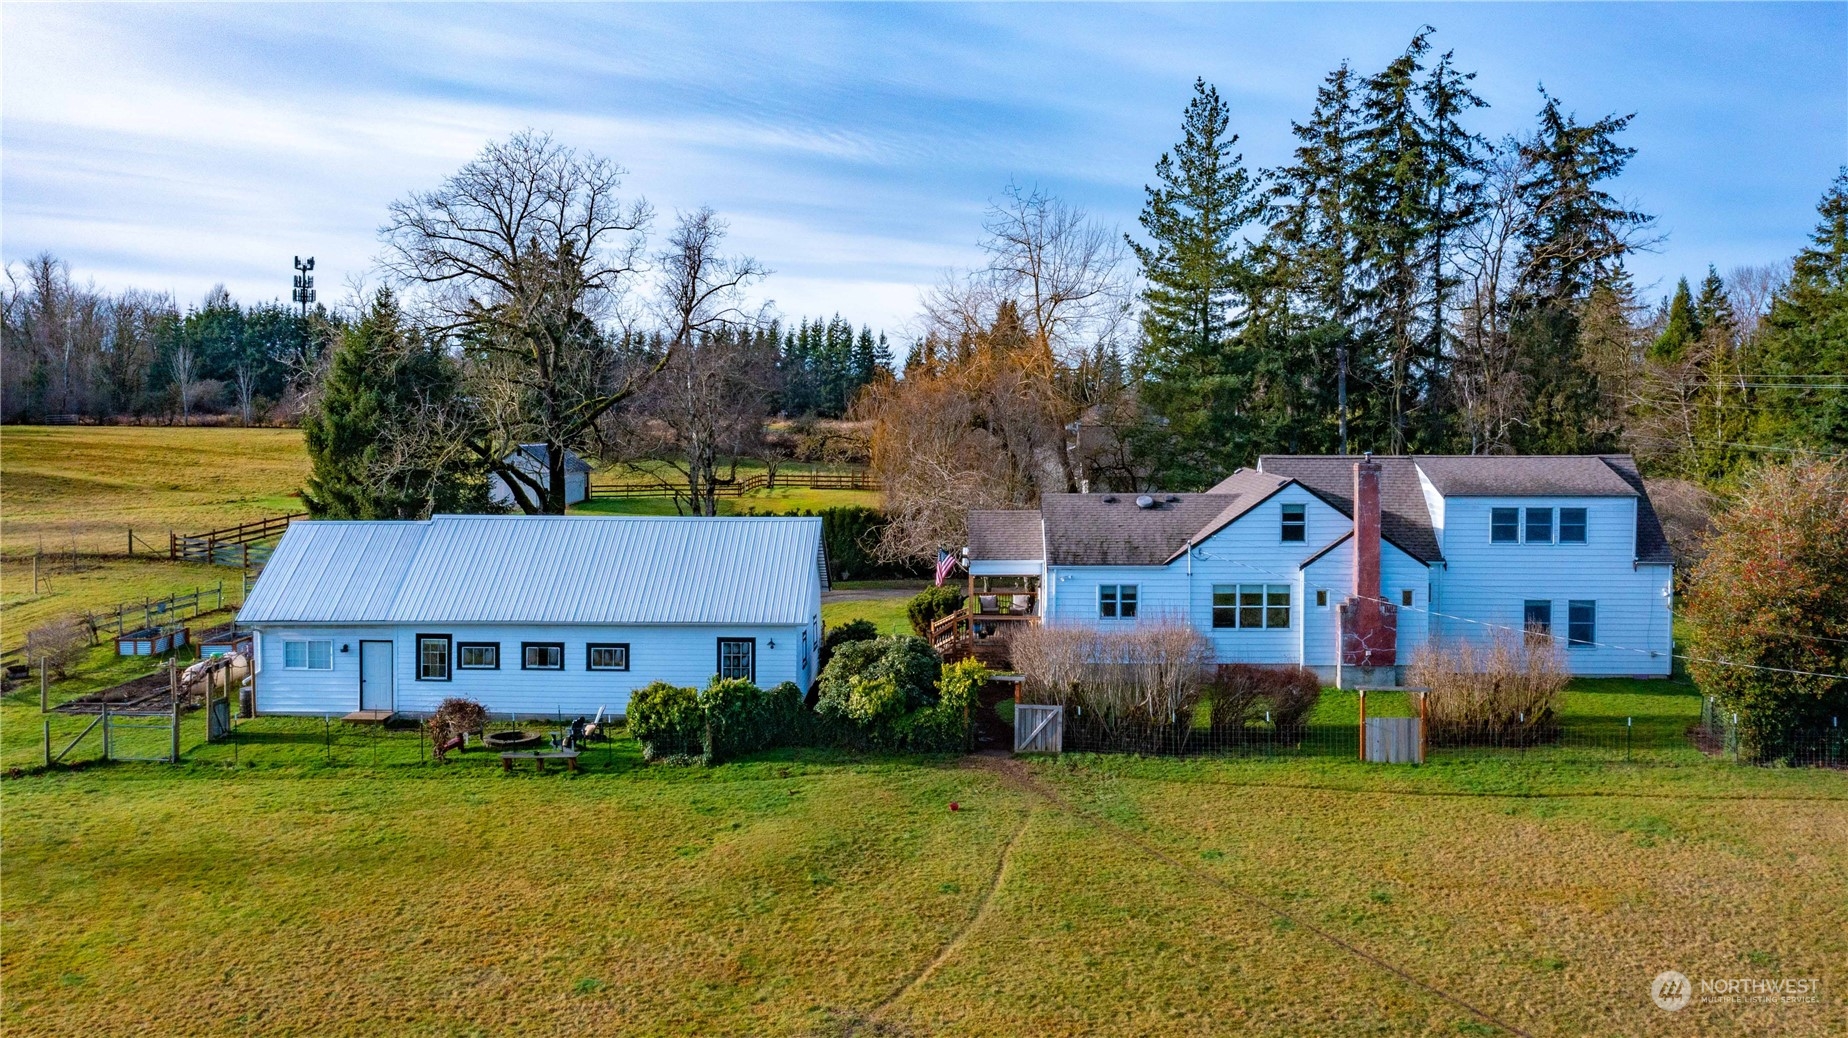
(105, 731)
(44, 688)
(1363, 724)
(48, 742)
(176, 724)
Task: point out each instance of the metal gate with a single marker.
(1039, 728)
(152, 736)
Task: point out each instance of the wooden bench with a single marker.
(539, 757)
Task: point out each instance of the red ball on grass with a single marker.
(954, 806)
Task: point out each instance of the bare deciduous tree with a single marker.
(524, 256)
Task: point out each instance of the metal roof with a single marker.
(543, 569)
(540, 456)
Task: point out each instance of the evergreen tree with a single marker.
(1581, 232)
(1455, 164)
(1396, 222)
(1198, 286)
(1680, 325)
(384, 383)
(1713, 307)
(1805, 343)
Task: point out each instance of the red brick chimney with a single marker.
(1369, 624)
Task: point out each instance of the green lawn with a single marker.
(283, 886)
(887, 614)
(97, 585)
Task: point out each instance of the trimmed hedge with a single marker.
(851, 631)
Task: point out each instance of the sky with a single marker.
(852, 148)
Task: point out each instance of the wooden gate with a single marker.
(1039, 728)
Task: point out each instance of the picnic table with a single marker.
(539, 757)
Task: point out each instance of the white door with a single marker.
(375, 672)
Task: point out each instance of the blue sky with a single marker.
(852, 147)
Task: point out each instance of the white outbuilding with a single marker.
(532, 616)
(534, 459)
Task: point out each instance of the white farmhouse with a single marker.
(530, 615)
(1349, 565)
(534, 459)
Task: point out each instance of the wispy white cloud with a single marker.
(851, 147)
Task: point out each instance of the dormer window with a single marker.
(1295, 523)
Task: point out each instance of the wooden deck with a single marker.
(369, 716)
(955, 636)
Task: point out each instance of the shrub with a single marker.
(1138, 687)
(1239, 692)
(454, 718)
(932, 604)
(735, 715)
(851, 631)
(1772, 592)
(869, 685)
(787, 721)
(947, 725)
(58, 644)
(667, 720)
(1509, 684)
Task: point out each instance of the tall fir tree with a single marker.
(384, 381)
(1197, 287)
(1680, 325)
(1455, 166)
(1805, 341)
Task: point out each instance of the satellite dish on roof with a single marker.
(1145, 501)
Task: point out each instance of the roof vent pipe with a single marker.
(1145, 501)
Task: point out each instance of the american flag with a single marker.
(946, 564)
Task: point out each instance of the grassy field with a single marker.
(88, 485)
(355, 890)
(95, 585)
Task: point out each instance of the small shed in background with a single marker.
(534, 459)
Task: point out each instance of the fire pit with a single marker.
(511, 740)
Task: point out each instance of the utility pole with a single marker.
(304, 283)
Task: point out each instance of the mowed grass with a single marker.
(779, 501)
(88, 485)
(806, 892)
(887, 613)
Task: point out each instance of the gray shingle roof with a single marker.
(1484, 475)
(1109, 530)
(1011, 535)
(1404, 520)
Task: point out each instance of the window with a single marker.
(1405, 597)
(738, 658)
(542, 656)
(1321, 598)
(1277, 605)
(478, 656)
(1225, 605)
(1539, 526)
(1254, 605)
(606, 657)
(433, 657)
(1504, 525)
(1537, 621)
(1117, 600)
(1581, 623)
(1572, 526)
(1295, 523)
(309, 655)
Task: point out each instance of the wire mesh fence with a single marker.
(1721, 734)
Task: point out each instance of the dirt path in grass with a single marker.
(950, 947)
(1014, 773)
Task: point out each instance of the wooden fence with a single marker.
(150, 612)
(855, 480)
(232, 545)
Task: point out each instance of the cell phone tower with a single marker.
(304, 283)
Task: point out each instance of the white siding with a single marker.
(1334, 572)
(681, 654)
(1249, 551)
(1489, 583)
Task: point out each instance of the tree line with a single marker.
(67, 349)
(1401, 284)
